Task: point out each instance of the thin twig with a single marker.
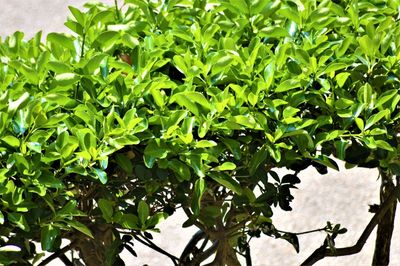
(324, 251)
(303, 233)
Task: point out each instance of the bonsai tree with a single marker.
(153, 106)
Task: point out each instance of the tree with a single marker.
(158, 105)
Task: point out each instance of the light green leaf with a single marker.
(226, 166)
(78, 15)
(66, 79)
(11, 141)
(196, 97)
(384, 145)
(246, 121)
(372, 120)
(269, 72)
(205, 144)
(106, 40)
(287, 85)
(62, 40)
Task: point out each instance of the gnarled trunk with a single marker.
(386, 225)
(93, 250)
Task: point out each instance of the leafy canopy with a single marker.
(189, 103)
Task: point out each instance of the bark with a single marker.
(226, 254)
(386, 225)
(93, 250)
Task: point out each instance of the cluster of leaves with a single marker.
(189, 103)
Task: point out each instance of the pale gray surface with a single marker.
(338, 197)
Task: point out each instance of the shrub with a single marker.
(191, 104)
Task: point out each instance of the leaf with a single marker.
(106, 40)
(11, 141)
(143, 212)
(340, 147)
(65, 79)
(246, 121)
(107, 209)
(78, 15)
(274, 32)
(395, 169)
(189, 99)
(19, 220)
(332, 67)
(292, 239)
(62, 40)
(205, 144)
(199, 188)
(259, 157)
(80, 227)
(234, 147)
(75, 27)
(124, 162)
(181, 169)
(326, 161)
(368, 45)
(156, 219)
(49, 180)
(59, 67)
(287, 85)
(384, 145)
(294, 67)
(227, 182)
(129, 221)
(372, 120)
(48, 237)
(156, 148)
(94, 63)
(101, 175)
(1, 218)
(196, 164)
(269, 72)
(226, 166)
(341, 78)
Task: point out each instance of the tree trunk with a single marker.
(93, 251)
(386, 225)
(226, 255)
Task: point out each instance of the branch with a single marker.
(323, 251)
(151, 245)
(304, 232)
(58, 254)
(202, 254)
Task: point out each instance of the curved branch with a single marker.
(153, 246)
(324, 251)
(58, 254)
(202, 255)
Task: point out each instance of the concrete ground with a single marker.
(339, 197)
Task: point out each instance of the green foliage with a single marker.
(192, 104)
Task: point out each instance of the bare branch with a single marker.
(58, 254)
(324, 251)
(153, 246)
